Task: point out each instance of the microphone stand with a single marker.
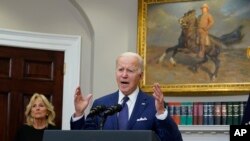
(110, 111)
(102, 121)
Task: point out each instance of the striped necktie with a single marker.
(123, 114)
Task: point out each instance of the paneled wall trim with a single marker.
(70, 44)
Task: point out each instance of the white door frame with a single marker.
(71, 46)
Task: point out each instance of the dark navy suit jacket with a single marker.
(142, 118)
(246, 116)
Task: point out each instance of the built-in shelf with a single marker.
(204, 129)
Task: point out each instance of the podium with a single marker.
(99, 135)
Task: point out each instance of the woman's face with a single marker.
(39, 110)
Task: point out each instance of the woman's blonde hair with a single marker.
(50, 108)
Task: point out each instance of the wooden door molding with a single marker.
(71, 46)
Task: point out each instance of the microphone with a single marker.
(97, 110)
(112, 110)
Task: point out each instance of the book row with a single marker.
(207, 113)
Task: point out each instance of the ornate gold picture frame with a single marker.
(172, 59)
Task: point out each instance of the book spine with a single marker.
(177, 113)
(190, 113)
(183, 115)
(217, 113)
(235, 114)
(210, 113)
(223, 113)
(200, 113)
(195, 113)
(229, 113)
(241, 111)
(205, 113)
(170, 109)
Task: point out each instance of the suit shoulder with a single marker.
(107, 98)
(146, 96)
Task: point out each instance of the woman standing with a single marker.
(39, 115)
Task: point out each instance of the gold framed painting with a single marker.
(185, 53)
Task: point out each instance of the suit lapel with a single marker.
(140, 105)
(114, 100)
(114, 121)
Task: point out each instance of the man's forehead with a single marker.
(127, 61)
(127, 66)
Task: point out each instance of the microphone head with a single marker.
(112, 110)
(97, 110)
(117, 108)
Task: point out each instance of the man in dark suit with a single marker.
(145, 112)
(246, 116)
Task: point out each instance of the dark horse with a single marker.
(188, 42)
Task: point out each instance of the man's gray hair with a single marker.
(139, 59)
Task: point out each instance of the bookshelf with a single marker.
(207, 113)
(204, 129)
(205, 132)
(221, 131)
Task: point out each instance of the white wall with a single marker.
(115, 26)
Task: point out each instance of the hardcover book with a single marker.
(224, 113)
(195, 113)
(205, 113)
(236, 112)
(210, 113)
(190, 113)
(200, 113)
(229, 113)
(217, 113)
(184, 113)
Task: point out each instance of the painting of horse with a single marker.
(168, 43)
(188, 41)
